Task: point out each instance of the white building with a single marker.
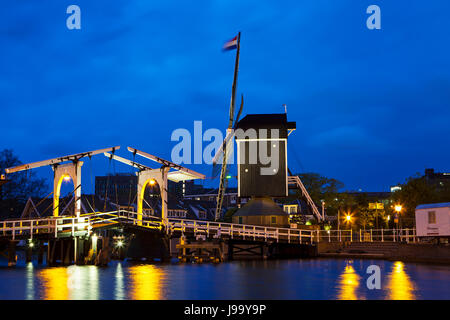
(433, 220)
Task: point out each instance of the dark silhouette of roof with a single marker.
(267, 121)
(260, 207)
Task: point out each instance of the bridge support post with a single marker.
(75, 250)
(12, 258)
(28, 254)
(67, 258)
(41, 253)
(230, 251)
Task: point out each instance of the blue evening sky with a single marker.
(372, 106)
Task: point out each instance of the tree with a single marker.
(415, 191)
(320, 187)
(365, 218)
(21, 185)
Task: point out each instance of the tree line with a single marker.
(413, 191)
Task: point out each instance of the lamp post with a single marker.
(398, 209)
(348, 220)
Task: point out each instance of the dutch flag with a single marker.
(231, 44)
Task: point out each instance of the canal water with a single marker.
(280, 279)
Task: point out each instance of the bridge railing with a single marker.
(13, 228)
(368, 235)
(50, 225)
(250, 232)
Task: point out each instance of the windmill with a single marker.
(227, 143)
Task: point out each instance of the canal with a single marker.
(277, 279)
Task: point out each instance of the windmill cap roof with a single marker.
(273, 120)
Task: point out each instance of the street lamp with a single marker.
(398, 208)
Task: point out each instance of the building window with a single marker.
(173, 213)
(240, 220)
(291, 209)
(148, 211)
(274, 220)
(431, 216)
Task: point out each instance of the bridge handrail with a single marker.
(241, 229)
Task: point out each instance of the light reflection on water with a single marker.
(348, 283)
(283, 279)
(145, 282)
(400, 286)
(53, 283)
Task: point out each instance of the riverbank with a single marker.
(407, 252)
